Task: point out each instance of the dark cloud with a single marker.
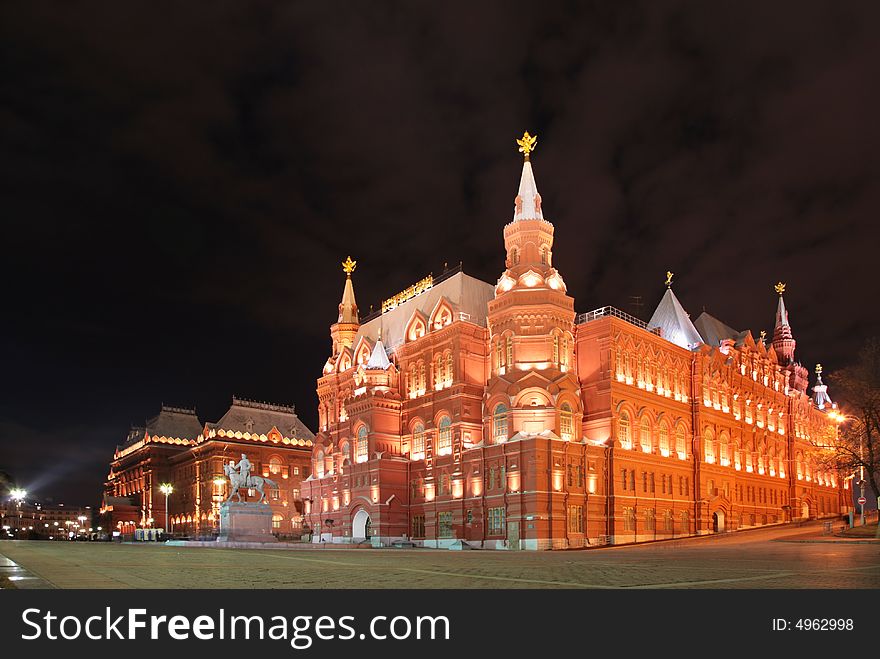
(180, 181)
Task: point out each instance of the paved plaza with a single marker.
(769, 558)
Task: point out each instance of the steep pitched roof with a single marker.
(674, 323)
(379, 358)
(464, 293)
(175, 423)
(714, 331)
(260, 418)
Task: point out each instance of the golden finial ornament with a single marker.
(779, 288)
(527, 144)
(348, 266)
(763, 335)
(818, 369)
(669, 275)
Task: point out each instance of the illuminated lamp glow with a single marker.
(477, 486)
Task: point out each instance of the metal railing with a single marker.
(604, 312)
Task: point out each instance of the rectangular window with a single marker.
(418, 526)
(575, 519)
(623, 477)
(632, 480)
(570, 475)
(650, 524)
(652, 482)
(580, 473)
(644, 481)
(496, 521)
(629, 519)
(445, 525)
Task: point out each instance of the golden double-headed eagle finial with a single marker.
(779, 288)
(348, 266)
(669, 275)
(527, 144)
(763, 335)
(818, 369)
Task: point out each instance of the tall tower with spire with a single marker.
(784, 344)
(783, 341)
(531, 319)
(344, 330)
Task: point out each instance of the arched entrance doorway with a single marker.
(718, 521)
(805, 510)
(360, 525)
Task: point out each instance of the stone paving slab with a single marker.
(749, 560)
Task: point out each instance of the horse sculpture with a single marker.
(257, 483)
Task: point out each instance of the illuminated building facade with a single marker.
(175, 447)
(496, 416)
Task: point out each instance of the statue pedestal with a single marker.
(246, 522)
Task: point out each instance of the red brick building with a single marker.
(175, 447)
(495, 415)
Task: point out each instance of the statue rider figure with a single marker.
(244, 469)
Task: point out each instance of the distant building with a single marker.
(37, 520)
(175, 447)
(493, 414)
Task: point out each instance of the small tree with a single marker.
(858, 442)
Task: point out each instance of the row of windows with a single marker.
(646, 443)
(502, 353)
(665, 380)
(650, 520)
(415, 380)
(649, 483)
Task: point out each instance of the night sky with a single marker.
(180, 182)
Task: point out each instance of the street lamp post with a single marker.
(19, 495)
(166, 489)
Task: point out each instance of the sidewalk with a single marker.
(819, 535)
(12, 575)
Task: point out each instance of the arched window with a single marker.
(509, 343)
(543, 256)
(725, 449)
(275, 465)
(708, 445)
(566, 421)
(444, 436)
(421, 377)
(556, 349)
(499, 423)
(345, 450)
(664, 439)
(438, 371)
(680, 443)
(319, 464)
(645, 435)
(449, 368)
(362, 444)
(623, 435)
(418, 441)
(514, 256)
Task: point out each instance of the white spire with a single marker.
(378, 359)
(820, 391)
(527, 205)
